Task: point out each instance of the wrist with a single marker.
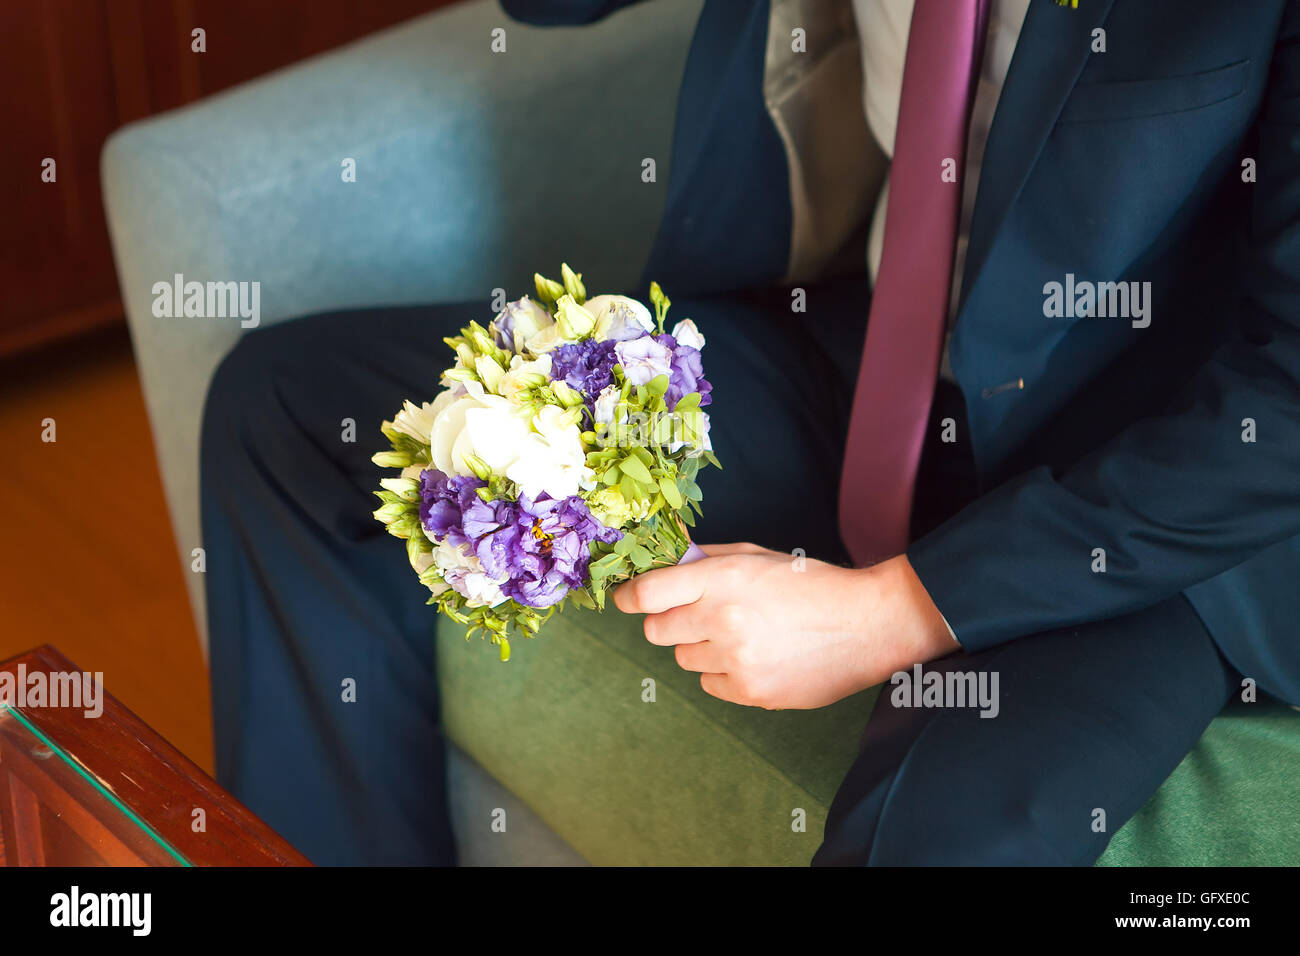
(916, 627)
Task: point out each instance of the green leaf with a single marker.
(635, 468)
(688, 519)
(687, 402)
(669, 488)
(609, 564)
(691, 490)
(641, 557)
(627, 487)
(582, 599)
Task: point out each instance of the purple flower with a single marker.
(541, 546)
(443, 501)
(587, 366)
(687, 372)
(644, 359)
(519, 320)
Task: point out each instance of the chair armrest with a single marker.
(473, 169)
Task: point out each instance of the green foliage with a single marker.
(661, 303)
(646, 471)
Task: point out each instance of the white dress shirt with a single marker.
(883, 26)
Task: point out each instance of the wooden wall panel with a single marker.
(72, 71)
(56, 100)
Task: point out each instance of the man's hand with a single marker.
(765, 629)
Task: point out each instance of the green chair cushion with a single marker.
(620, 752)
(1232, 801)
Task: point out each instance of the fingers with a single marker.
(678, 625)
(701, 658)
(720, 550)
(661, 589)
(721, 687)
(665, 588)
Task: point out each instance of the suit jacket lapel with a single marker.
(1051, 51)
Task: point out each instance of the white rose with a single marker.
(686, 333)
(517, 377)
(619, 317)
(550, 458)
(547, 340)
(475, 423)
(541, 456)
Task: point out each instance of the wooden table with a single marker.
(106, 790)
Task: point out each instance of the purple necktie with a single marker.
(909, 306)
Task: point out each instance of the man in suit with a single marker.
(1092, 302)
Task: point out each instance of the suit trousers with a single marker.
(325, 698)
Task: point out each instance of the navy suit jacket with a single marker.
(1171, 158)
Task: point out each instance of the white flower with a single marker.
(517, 322)
(541, 456)
(685, 333)
(550, 459)
(519, 375)
(572, 323)
(462, 572)
(606, 404)
(489, 371)
(415, 420)
(475, 423)
(619, 317)
(422, 562)
(547, 340)
(575, 321)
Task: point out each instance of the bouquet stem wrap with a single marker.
(693, 553)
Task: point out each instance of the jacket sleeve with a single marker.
(551, 13)
(1173, 500)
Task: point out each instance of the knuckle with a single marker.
(747, 689)
(742, 662)
(731, 618)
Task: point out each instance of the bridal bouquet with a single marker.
(558, 460)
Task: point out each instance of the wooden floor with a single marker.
(86, 555)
